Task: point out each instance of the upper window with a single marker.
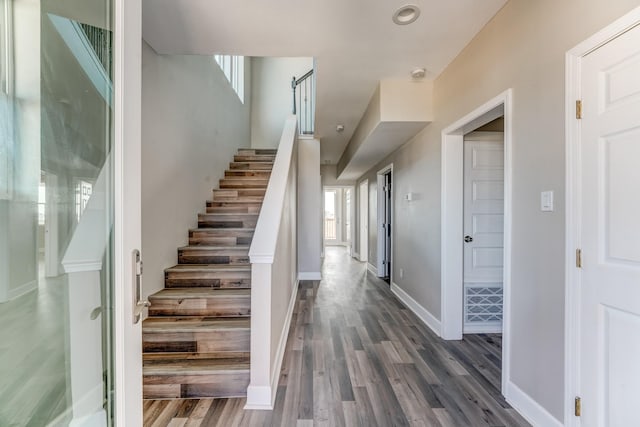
(233, 68)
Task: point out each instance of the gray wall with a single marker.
(309, 206)
(192, 124)
(523, 47)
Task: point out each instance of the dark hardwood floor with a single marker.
(357, 357)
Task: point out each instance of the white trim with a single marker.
(23, 289)
(372, 268)
(263, 397)
(80, 266)
(413, 305)
(529, 408)
(452, 219)
(572, 363)
(380, 244)
(126, 151)
(363, 255)
(309, 275)
(482, 329)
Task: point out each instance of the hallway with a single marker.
(357, 357)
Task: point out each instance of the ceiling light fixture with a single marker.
(339, 128)
(418, 73)
(406, 14)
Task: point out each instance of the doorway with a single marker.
(385, 221)
(602, 299)
(452, 214)
(483, 226)
(338, 216)
(363, 194)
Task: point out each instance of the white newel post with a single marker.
(85, 345)
(82, 262)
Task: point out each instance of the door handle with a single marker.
(468, 239)
(138, 303)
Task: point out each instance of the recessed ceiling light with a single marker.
(406, 14)
(418, 73)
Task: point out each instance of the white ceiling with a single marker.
(355, 43)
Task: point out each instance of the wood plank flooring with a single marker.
(357, 357)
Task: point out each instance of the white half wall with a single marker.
(192, 124)
(272, 95)
(309, 209)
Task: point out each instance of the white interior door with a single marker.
(609, 218)
(364, 221)
(483, 231)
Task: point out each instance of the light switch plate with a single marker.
(546, 201)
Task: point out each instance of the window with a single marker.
(233, 68)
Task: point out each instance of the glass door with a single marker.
(56, 213)
(331, 217)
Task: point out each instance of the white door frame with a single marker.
(452, 219)
(380, 210)
(127, 207)
(573, 60)
(363, 232)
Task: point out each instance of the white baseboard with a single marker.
(482, 329)
(372, 269)
(356, 255)
(529, 408)
(422, 313)
(23, 289)
(310, 275)
(264, 397)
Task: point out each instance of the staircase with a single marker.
(196, 338)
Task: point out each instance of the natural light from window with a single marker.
(233, 68)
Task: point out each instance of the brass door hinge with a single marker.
(578, 109)
(577, 406)
(579, 258)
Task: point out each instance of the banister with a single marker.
(304, 106)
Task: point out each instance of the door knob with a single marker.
(468, 239)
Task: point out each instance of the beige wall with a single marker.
(273, 97)
(522, 48)
(192, 124)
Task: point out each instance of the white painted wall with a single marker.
(309, 209)
(523, 48)
(192, 124)
(272, 99)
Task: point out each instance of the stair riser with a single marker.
(227, 221)
(222, 307)
(238, 184)
(205, 223)
(208, 279)
(241, 209)
(196, 342)
(194, 257)
(253, 151)
(249, 195)
(195, 386)
(265, 174)
(251, 166)
(219, 241)
(254, 158)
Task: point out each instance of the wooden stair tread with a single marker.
(194, 366)
(181, 268)
(214, 248)
(193, 324)
(194, 293)
(220, 230)
(157, 357)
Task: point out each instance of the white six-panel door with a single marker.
(609, 188)
(483, 231)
